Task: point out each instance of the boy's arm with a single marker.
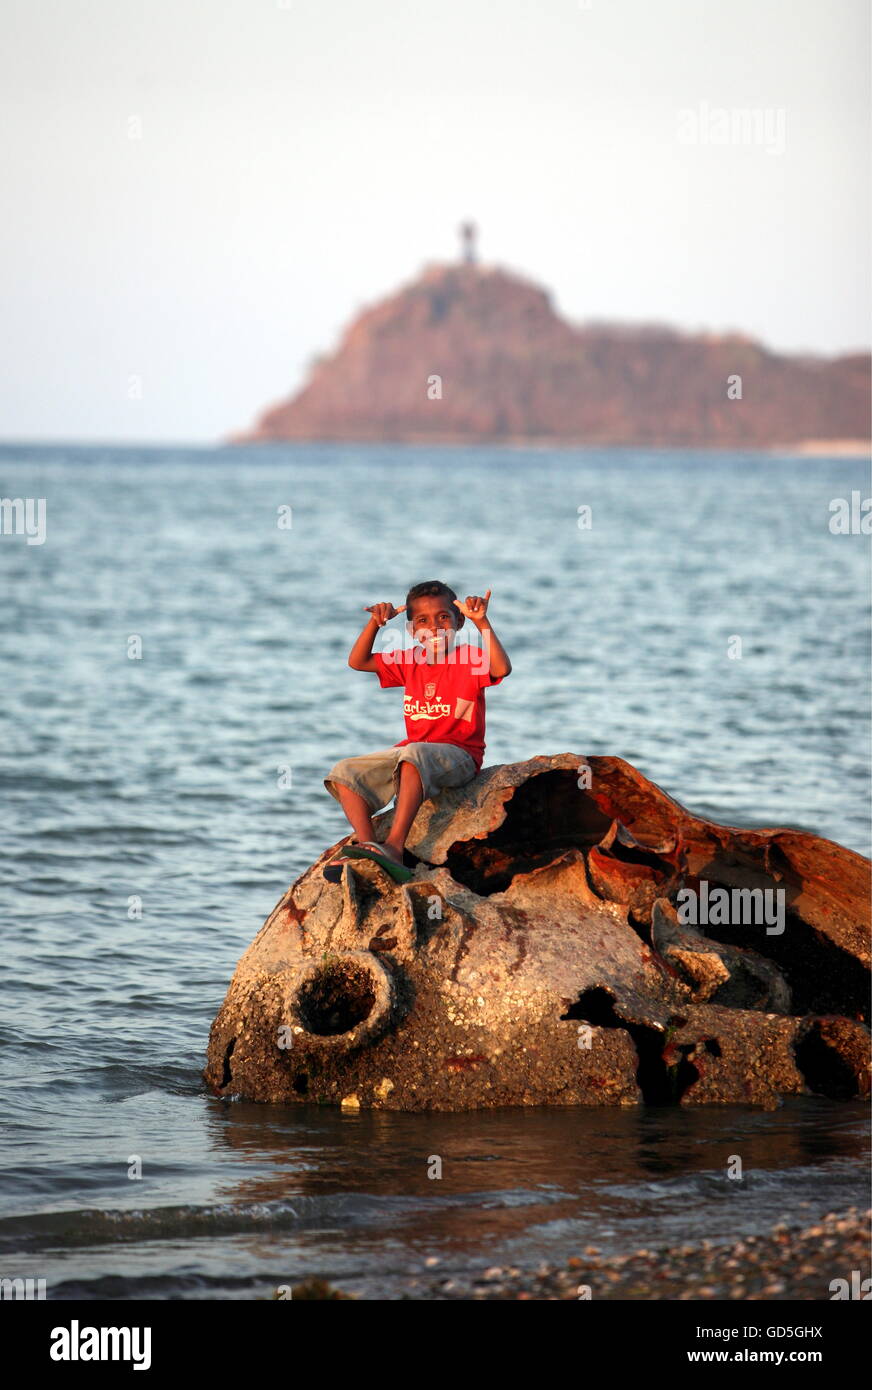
(475, 608)
(360, 658)
(499, 661)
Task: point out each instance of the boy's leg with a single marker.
(423, 769)
(409, 798)
(411, 773)
(362, 785)
(356, 808)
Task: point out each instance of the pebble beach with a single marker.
(787, 1263)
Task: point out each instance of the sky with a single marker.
(200, 194)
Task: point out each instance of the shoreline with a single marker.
(790, 1262)
(804, 448)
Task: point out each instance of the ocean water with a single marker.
(175, 688)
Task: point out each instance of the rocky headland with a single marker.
(474, 354)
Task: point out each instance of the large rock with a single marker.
(544, 954)
(511, 368)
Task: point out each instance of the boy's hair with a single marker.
(434, 588)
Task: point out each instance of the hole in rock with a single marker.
(680, 1076)
(595, 1006)
(546, 816)
(226, 1076)
(659, 1084)
(301, 1084)
(336, 999)
(824, 1071)
(823, 979)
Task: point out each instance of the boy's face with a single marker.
(434, 622)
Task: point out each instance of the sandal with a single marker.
(332, 870)
(369, 849)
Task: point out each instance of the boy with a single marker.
(444, 708)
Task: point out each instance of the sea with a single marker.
(175, 629)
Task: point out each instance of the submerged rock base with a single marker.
(572, 936)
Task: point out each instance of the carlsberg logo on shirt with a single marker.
(414, 708)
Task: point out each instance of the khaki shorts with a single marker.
(376, 776)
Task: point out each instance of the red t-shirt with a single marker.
(444, 700)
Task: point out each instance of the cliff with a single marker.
(510, 369)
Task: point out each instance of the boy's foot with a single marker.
(385, 848)
(388, 850)
(390, 858)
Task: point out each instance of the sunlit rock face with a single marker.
(513, 369)
(572, 936)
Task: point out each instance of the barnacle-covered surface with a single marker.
(539, 957)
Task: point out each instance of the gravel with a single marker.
(787, 1263)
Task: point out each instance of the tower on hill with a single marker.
(468, 238)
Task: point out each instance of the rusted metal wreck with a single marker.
(544, 954)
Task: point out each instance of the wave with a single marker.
(90, 1226)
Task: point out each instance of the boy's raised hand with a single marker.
(383, 612)
(474, 607)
